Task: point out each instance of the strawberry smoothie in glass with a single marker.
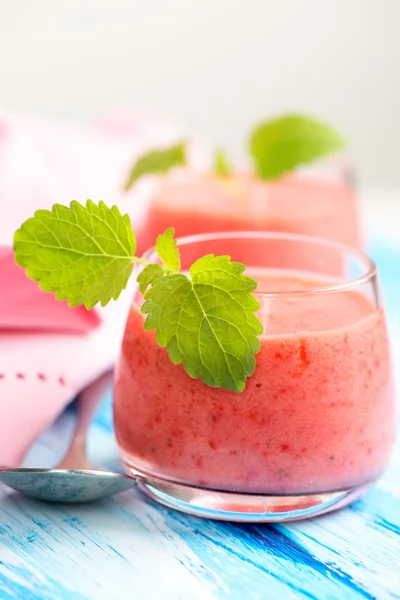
(307, 203)
(315, 425)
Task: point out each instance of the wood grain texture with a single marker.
(128, 547)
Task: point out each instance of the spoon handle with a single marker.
(87, 403)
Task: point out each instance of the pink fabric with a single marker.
(48, 352)
(24, 307)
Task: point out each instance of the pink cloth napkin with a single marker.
(49, 352)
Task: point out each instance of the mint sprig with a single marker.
(222, 165)
(280, 145)
(82, 253)
(167, 250)
(157, 161)
(85, 254)
(207, 322)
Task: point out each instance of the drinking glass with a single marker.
(318, 202)
(315, 425)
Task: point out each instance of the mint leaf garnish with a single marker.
(280, 145)
(167, 250)
(148, 276)
(222, 165)
(207, 322)
(83, 254)
(157, 161)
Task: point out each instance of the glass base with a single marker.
(246, 508)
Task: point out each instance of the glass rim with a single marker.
(370, 265)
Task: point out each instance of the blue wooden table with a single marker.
(130, 548)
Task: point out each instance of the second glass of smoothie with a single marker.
(316, 203)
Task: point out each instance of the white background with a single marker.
(218, 65)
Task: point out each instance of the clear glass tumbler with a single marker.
(315, 202)
(315, 425)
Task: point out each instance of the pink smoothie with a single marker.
(317, 415)
(303, 204)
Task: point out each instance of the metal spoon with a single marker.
(74, 479)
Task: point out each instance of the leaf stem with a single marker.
(146, 263)
(141, 261)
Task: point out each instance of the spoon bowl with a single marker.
(73, 480)
(66, 485)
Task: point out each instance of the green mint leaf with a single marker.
(157, 161)
(148, 276)
(280, 145)
(222, 165)
(167, 250)
(82, 253)
(207, 322)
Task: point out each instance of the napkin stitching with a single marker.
(40, 376)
